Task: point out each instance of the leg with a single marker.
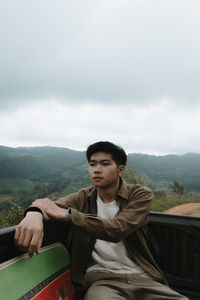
(131, 287)
(105, 285)
(147, 289)
(161, 291)
(103, 289)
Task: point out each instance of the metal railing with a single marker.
(175, 243)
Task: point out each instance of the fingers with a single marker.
(27, 244)
(36, 202)
(19, 239)
(41, 202)
(22, 239)
(35, 243)
(33, 247)
(19, 235)
(29, 233)
(30, 241)
(16, 236)
(39, 244)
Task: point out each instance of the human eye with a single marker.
(106, 164)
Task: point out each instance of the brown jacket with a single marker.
(129, 225)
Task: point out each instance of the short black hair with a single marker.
(117, 153)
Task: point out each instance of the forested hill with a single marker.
(160, 171)
(65, 167)
(41, 163)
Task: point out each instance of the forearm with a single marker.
(49, 209)
(127, 221)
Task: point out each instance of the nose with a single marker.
(97, 169)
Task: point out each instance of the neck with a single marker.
(108, 194)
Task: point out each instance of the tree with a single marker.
(159, 194)
(132, 176)
(178, 188)
(13, 217)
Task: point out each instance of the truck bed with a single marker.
(174, 241)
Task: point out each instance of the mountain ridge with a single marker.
(46, 163)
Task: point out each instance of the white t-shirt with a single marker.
(112, 257)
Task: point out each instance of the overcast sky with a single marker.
(75, 72)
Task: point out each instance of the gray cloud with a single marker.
(112, 51)
(157, 130)
(73, 72)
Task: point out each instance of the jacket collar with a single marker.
(122, 192)
(123, 189)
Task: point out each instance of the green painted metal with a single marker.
(21, 274)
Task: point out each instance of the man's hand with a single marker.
(51, 209)
(29, 233)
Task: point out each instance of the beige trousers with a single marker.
(109, 286)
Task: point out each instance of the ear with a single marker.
(121, 169)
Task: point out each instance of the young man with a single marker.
(109, 255)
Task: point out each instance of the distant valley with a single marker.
(26, 173)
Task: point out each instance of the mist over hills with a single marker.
(55, 165)
(162, 170)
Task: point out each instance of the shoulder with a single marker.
(87, 191)
(78, 200)
(128, 191)
(139, 191)
(138, 187)
(83, 193)
(83, 197)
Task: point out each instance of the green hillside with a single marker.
(160, 171)
(38, 172)
(27, 173)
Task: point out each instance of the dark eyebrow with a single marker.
(103, 160)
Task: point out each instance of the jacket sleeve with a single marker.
(133, 216)
(70, 201)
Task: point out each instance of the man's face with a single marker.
(103, 170)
